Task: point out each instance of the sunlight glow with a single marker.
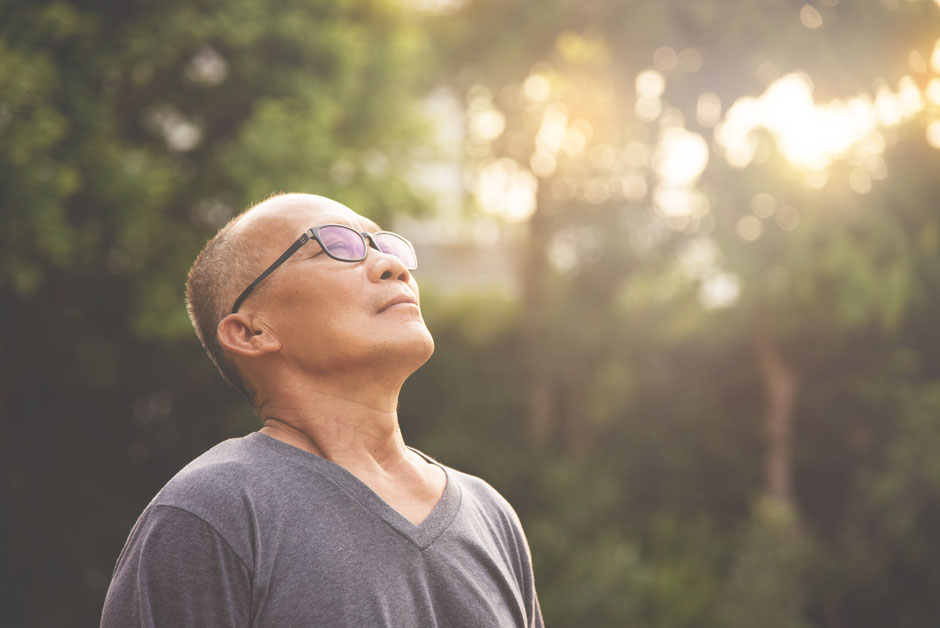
(933, 134)
(650, 84)
(680, 157)
(701, 261)
(719, 291)
(484, 121)
(434, 6)
(506, 189)
(734, 133)
(552, 131)
(933, 92)
(678, 160)
(810, 135)
(680, 202)
(548, 141)
(537, 87)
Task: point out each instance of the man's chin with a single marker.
(420, 347)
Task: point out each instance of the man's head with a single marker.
(314, 316)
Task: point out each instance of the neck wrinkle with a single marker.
(348, 432)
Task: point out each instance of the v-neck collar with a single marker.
(421, 535)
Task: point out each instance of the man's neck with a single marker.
(352, 431)
(366, 442)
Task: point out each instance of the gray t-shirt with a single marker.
(258, 533)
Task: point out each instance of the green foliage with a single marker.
(766, 585)
(129, 132)
(642, 382)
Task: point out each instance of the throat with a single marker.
(413, 500)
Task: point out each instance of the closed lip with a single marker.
(402, 298)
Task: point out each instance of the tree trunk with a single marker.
(780, 385)
(539, 398)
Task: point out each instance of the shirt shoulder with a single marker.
(212, 481)
(478, 489)
(176, 570)
(231, 488)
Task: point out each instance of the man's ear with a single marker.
(241, 335)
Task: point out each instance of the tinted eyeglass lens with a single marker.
(399, 247)
(342, 243)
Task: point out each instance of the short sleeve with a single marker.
(526, 575)
(177, 570)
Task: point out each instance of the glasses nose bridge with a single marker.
(370, 240)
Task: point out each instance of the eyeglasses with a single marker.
(344, 244)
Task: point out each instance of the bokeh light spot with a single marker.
(749, 228)
(810, 17)
(542, 164)
(933, 91)
(665, 59)
(810, 135)
(577, 136)
(690, 60)
(933, 134)
(537, 87)
(680, 157)
(719, 291)
(487, 124)
(788, 217)
(506, 189)
(650, 84)
(648, 109)
(708, 109)
(763, 205)
(671, 202)
(553, 129)
(916, 62)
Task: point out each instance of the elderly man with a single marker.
(324, 517)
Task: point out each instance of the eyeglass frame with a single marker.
(313, 233)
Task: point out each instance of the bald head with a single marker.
(286, 212)
(236, 255)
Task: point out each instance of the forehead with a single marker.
(339, 214)
(286, 217)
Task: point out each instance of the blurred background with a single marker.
(681, 260)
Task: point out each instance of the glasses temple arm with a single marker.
(270, 269)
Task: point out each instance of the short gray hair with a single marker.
(221, 271)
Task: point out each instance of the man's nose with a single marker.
(386, 266)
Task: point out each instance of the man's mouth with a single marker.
(403, 299)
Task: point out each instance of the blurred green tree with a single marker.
(579, 105)
(614, 405)
(129, 132)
